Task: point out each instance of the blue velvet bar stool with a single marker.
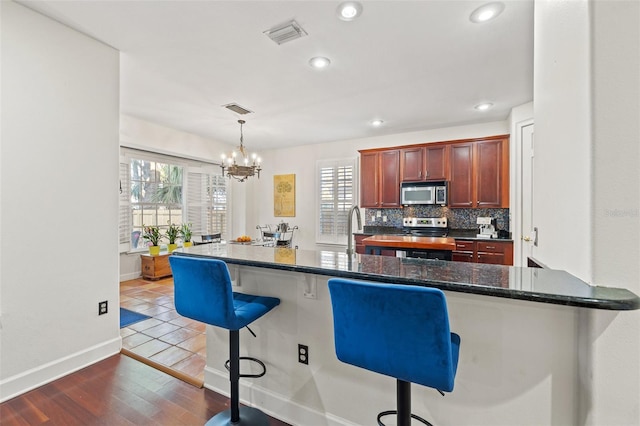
(203, 292)
(401, 331)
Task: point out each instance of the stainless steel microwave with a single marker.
(423, 193)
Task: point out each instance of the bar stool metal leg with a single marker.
(237, 415)
(403, 401)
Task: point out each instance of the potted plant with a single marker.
(172, 235)
(185, 233)
(152, 235)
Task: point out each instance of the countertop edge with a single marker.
(627, 301)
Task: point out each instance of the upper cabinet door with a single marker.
(488, 173)
(369, 168)
(390, 178)
(412, 164)
(435, 163)
(461, 184)
(423, 163)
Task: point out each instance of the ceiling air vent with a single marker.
(237, 109)
(286, 32)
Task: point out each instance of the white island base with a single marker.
(519, 361)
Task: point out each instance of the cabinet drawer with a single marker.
(491, 247)
(492, 259)
(464, 245)
(462, 257)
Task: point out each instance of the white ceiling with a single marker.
(416, 65)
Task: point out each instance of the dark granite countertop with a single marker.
(459, 234)
(530, 284)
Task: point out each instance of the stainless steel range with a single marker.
(426, 226)
(436, 227)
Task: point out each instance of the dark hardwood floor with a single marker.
(116, 391)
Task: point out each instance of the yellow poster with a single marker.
(284, 195)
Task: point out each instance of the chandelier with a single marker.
(239, 168)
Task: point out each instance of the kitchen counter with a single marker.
(530, 284)
(411, 242)
(458, 234)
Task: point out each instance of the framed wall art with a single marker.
(284, 195)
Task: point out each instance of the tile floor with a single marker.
(166, 338)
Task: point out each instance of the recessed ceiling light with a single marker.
(377, 123)
(483, 107)
(319, 62)
(349, 10)
(486, 12)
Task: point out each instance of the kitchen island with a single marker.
(520, 360)
(530, 284)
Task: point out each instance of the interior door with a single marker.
(528, 239)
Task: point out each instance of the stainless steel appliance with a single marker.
(427, 227)
(487, 227)
(423, 193)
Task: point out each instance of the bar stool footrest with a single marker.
(413, 416)
(247, 358)
(249, 416)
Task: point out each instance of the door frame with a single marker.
(516, 192)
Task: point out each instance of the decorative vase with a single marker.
(172, 247)
(187, 244)
(154, 250)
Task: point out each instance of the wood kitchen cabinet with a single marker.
(492, 252)
(479, 174)
(155, 267)
(380, 178)
(425, 163)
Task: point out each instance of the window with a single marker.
(207, 199)
(159, 190)
(336, 196)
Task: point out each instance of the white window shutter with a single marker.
(196, 201)
(124, 219)
(336, 196)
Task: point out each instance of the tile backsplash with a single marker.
(458, 218)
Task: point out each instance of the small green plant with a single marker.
(185, 232)
(172, 233)
(151, 234)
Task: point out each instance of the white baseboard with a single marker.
(275, 405)
(36, 377)
(130, 276)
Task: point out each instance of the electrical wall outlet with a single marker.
(379, 213)
(373, 218)
(303, 354)
(103, 307)
(384, 218)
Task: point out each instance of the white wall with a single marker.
(301, 161)
(587, 99)
(615, 339)
(562, 168)
(59, 200)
